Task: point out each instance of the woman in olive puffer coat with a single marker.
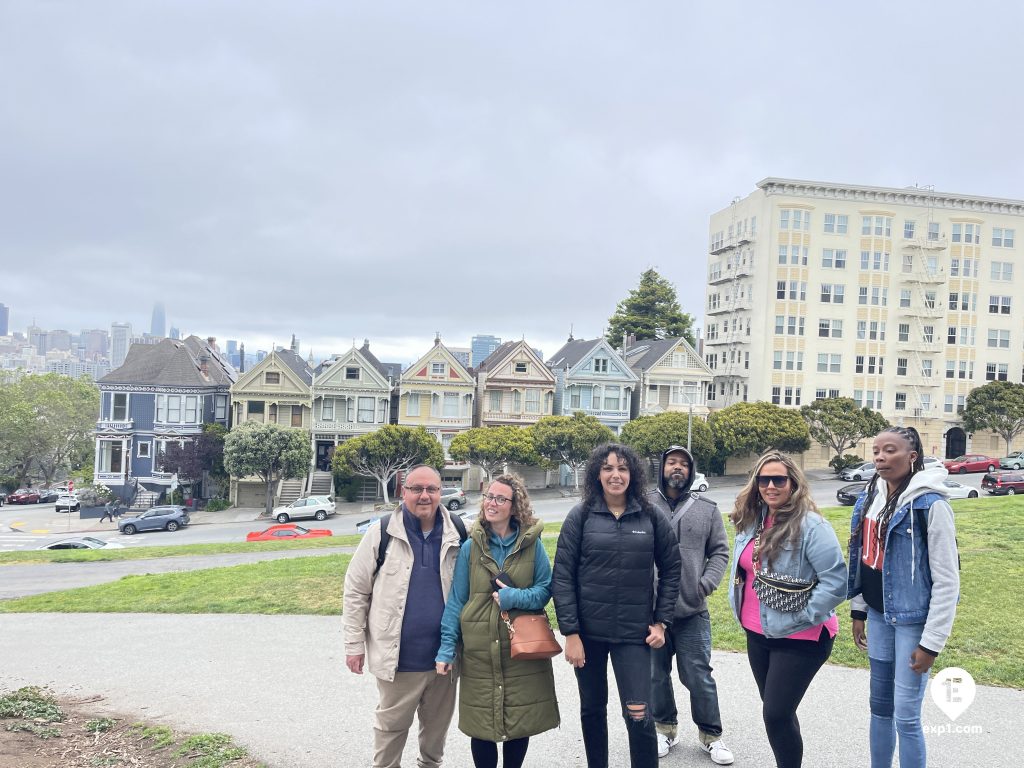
(500, 699)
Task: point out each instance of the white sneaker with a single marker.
(720, 753)
(665, 744)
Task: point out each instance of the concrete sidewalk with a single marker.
(278, 684)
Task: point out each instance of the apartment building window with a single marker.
(797, 290)
(794, 361)
(908, 262)
(1002, 271)
(933, 230)
(901, 401)
(777, 395)
(926, 368)
(968, 335)
(951, 369)
(833, 258)
(828, 363)
(780, 324)
(904, 298)
(954, 300)
(879, 296)
(879, 226)
(996, 372)
(862, 330)
(327, 409)
(494, 400)
(999, 305)
(951, 335)
(600, 365)
(830, 329)
(858, 364)
(800, 219)
(966, 370)
(836, 223)
(967, 233)
(777, 360)
(272, 377)
(832, 293)
(1002, 238)
(784, 218)
(412, 404)
(999, 339)
(792, 396)
(901, 366)
(928, 334)
(876, 260)
(903, 332)
(908, 229)
(780, 289)
(876, 330)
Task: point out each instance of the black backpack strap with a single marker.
(385, 538)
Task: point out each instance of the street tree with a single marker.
(492, 448)
(998, 406)
(650, 311)
(755, 427)
(269, 451)
(838, 423)
(569, 440)
(195, 459)
(386, 452)
(651, 435)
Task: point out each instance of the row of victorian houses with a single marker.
(169, 390)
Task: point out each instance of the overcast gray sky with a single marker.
(387, 170)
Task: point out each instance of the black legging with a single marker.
(485, 753)
(783, 670)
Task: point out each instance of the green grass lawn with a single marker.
(990, 532)
(36, 557)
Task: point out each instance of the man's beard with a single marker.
(676, 480)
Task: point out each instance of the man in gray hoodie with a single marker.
(704, 550)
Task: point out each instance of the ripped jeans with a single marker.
(632, 667)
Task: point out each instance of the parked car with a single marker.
(286, 532)
(700, 483)
(848, 494)
(46, 495)
(170, 517)
(68, 502)
(24, 496)
(1013, 461)
(957, 490)
(863, 471)
(83, 542)
(1003, 483)
(972, 462)
(314, 507)
(453, 498)
(932, 461)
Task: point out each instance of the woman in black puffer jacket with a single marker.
(615, 583)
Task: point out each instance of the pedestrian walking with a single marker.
(108, 511)
(904, 582)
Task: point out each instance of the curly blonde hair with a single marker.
(522, 508)
(746, 515)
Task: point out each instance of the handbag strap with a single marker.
(755, 555)
(508, 623)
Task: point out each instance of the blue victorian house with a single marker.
(162, 392)
(590, 376)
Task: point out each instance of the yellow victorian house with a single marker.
(276, 391)
(436, 392)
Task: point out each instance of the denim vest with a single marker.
(817, 555)
(906, 573)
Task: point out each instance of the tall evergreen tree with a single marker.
(651, 311)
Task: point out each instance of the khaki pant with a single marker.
(427, 694)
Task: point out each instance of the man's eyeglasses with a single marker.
(499, 500)
(418, 489)
(779, 481)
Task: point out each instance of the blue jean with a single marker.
(632, 667)
(896, 693)
(689, 641)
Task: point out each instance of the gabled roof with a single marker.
(457, 372)
(504, 354)
(374, 374)
(498, 354)
(644, 354)
(299, 366)
(172, 363)
(577, 351)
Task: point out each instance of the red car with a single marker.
(972, 462)
(23, 496)
(287, 532)
(1003, 483)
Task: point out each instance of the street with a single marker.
(35, 525)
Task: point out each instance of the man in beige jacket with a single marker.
(392, 620)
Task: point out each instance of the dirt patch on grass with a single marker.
(38, 730)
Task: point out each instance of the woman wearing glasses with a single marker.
(502, 566)
(610, 601)
(788, 575)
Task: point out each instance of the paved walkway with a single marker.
(278, 684)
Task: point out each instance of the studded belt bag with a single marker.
(779, 591)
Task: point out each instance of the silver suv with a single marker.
(315, 507)
(453, 498)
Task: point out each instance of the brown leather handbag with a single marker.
(530, 636)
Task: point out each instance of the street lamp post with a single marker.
(689, 427)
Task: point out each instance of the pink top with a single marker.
(750, 610)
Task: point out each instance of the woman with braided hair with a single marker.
(904, 582)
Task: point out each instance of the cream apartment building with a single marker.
(903, 299)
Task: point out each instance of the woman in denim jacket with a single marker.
(776, 516)
(904, 580)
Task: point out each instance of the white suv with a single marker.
(316, 507)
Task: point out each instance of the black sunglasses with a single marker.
(779, 481)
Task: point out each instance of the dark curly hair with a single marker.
(592, 489)
(522, 509)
